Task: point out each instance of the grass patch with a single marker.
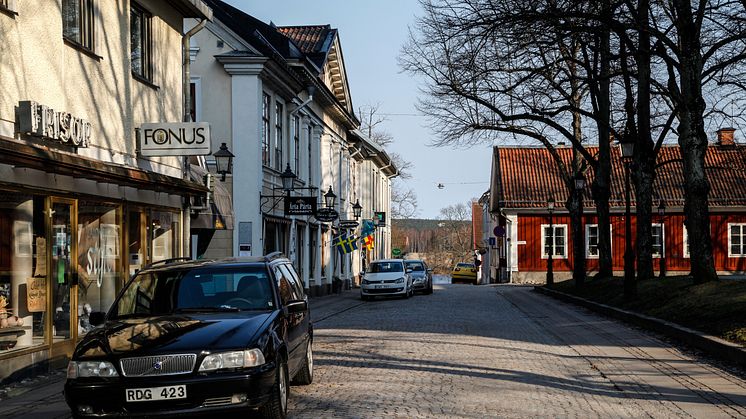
(717, 308)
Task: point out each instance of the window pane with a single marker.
(136, 52)
(71, 18)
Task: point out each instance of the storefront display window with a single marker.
(165, 234)
(23, 286)
(99, 259)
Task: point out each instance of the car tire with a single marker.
(277, 405)
(365, 297)
(429, 289)
(304, 377)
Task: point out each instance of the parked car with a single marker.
(422, 276)
(386, 277)
(464, 273)
(207, 337)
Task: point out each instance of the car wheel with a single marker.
(365, 297)
(429, 289)
(277, 405)
(305, 375)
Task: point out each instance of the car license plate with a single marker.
(380, 286)
(156, 393)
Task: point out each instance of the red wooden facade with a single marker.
(530, 254)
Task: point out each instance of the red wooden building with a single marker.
(523, 178)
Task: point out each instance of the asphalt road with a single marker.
(482, 351)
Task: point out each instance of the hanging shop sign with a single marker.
(326, 215)
(300, 205)
(174, 139)
(380, 217)
(43, 121)
(348, 224)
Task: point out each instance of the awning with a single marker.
(51, 161)
(220, 214)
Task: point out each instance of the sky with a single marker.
(371, 35)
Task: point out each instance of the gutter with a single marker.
(185, 67)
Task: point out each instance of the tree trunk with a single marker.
(575, 207)
(601, 188)
(645, 172)
(693, 144)
(644, 177)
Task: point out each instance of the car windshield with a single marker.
(415, 266)
(383, 267)
(465, 265)
(195, 290)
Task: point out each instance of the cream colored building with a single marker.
(278, 98)
(81, 209)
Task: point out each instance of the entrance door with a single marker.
(62, 273)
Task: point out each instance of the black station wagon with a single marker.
(198, 337)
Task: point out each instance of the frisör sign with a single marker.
(42, 121)
(175, 139)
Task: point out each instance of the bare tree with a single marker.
(370, 123)
(403, 201)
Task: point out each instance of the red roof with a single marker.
(527, 176)
(310, 39)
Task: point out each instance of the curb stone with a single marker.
(712, 345)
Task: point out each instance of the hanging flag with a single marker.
(368, 241)
(368, 228)
(345, 244)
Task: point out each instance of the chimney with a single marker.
(725, 137)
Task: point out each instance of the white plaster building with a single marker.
(278, 98)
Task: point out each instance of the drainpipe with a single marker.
(186, 94)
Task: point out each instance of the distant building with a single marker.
(524, 177)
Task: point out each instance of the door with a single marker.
(63, 278)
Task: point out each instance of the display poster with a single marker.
(36, 294)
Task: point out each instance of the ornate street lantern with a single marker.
(288, 177)
(357, 209)
(330, 198)
(224, 161)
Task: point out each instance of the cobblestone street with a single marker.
(475, 352)
(502, 351)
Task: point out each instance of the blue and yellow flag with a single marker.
(345, 244)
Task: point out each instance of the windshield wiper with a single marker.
(207, 309)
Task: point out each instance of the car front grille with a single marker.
(218, 401)
(148, 366)
(383, 290)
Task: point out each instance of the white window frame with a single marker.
(685, 251)
(663, 239)
(9, 6)
(543, 239)
(588, 247)
(743, 246)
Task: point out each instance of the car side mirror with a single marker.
(97, 318)
(429, 271)
(296, 306)
(409, 271)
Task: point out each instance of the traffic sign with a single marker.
(396, 252)
(499, 231)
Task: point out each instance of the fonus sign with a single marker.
(45, 122)
(175, 139)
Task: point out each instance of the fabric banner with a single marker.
(345, 244)
(368, 241)
(368, 228)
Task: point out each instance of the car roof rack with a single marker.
(166, 261)
(272, 256)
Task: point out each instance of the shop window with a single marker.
(164, 235)
(99, 259)
(23, 271)
(77, 22)
(312, 252)
(141, 45)
(310, 155)
(296, 142)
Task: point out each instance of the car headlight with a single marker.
(400, 281)
(366, 282)
(79, 369)
(235, 359)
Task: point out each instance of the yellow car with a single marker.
(464, 273)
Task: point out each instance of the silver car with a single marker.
(422, 276)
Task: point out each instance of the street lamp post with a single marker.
(550, 269)
(224, 161)
(627, 149)
(662, 214)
